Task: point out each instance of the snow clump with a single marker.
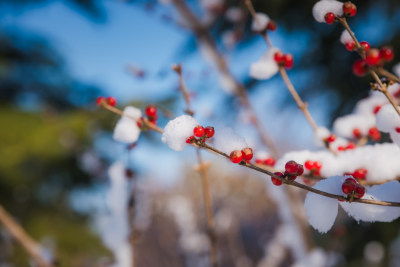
(126, 130)
(178, 130)
(321, 8)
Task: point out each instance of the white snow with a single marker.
(387, 119)
(345, 125)
(320, 135)
(226, 140)
(260, 23)
(380, 160)
(234, 14)
(265, 67)
(126, 129)
(345, 37)
(178, 130)
(375, 213)
(322, 211)
(325, 6)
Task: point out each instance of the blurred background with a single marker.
(57, 57)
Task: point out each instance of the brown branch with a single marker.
(199, 144)
(23, 238)
(302, 106)
(387, 74)
(205, 38)
(183, 88)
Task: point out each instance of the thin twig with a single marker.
(387, 74)
(204, 177)
(199, 144)
(206, 39)
(361, 52)
(23, 238)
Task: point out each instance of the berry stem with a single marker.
(384, 90)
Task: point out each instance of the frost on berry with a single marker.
(260, 23)
(236, 156)
(178, 130)
(266, 66)
(247, 153)
(126, 130)
(226, 140)
(321, 8)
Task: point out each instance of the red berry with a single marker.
(386, 53)
(209, 131)
(351, 145)
(317, 165)
(190, 139)
(330, 18)
(365, 45)
(279, 57)
(359, 67)
(301, 170)
(348, 187)
(277, 181)
(236, 156)
(271, 25)
(270, 161)
(359, 191)
(151, 111)
(397, 94)
(100, 100)
(247, 153)
(351, 179)
(349, 9)
(260, 161)
(331, 138)
(198, 131)
(111, 101)
(372, 57)
(341, 148)
(356, 133)
(309, 164)
(377, 108)
(360, 173)
(291, 167)
(397, 129)
(288, 61)
(374, 134)
(350, 45)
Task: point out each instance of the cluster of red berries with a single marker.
(245, 154)
(314, 167)
(109, 100)
(285, 60)
(350, 145)
(292, 170)
(373, 133)
(360, 173)
(373, 57)
(201, 133)
(349, 10)
(269, 161)
(351, 187)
